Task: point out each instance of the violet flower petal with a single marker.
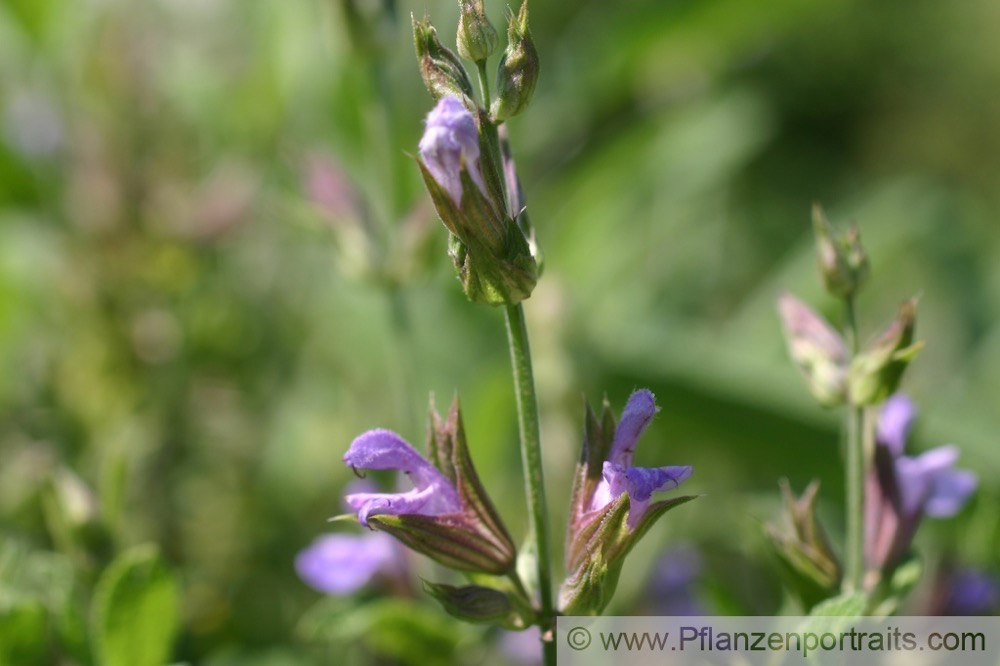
(639, 411)
(450, 137)
(894, 422)
(640, 483)
(433, 494)
(930, 483)
(340, 564)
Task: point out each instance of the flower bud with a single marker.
(517, 72)
(477, 39)
(807, 558)
(442, 71)
(876, 373)
(817, 349)
(843, 262)
(490, 251)
(477, 604)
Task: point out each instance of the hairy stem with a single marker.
(531, 461)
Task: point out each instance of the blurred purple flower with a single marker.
(620, 476)
(451, 140)
(341, 564)
(671, 588)
(433, 494)
(970, 592)
(522, 647)
(902, 489)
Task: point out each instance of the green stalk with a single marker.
(531, 461)
(855, 474)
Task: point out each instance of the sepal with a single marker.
(442, 71)
(807, 559)
(875, 374)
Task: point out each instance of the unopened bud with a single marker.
(442, 71)
(490, 252)
(876, 373)
(517, 72)
(477, 39)
(477, 604)
(842, 260)
(817, 349)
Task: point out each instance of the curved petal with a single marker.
(949, 491)
(640, 483)
(929, 483)
(384, 449)
(894, 422)
(639, 411)
(340, 564)
(451, 137)
(428, 501)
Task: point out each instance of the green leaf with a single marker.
(398, 629)
(133, 615)
(851, 604)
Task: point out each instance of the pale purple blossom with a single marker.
(970, 592)
(620, 476)
(902, 489)
(432, 495)
(341, 564)
(451, 140)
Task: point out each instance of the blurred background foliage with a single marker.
(218, 266)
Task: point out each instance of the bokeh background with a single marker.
(218, 266)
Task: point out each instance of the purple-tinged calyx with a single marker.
(447, 515)
(901, 489)
(808, 563)
(611, 506)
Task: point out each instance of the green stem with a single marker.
(484, 83)
(855, 474)
(531, 460)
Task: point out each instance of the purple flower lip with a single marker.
(620, 476)
(451, 141)
(432, 494)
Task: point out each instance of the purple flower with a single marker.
(611, 508)
(432, 494)
(451, 140)
(447, 515)
(672, 589)
(969, 592)
(341, 564)
(619, 476)
(902, 489)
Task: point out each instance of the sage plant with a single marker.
(467, 164)
(887, 492)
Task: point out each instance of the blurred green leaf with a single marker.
(134, 610)
(399, 629)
